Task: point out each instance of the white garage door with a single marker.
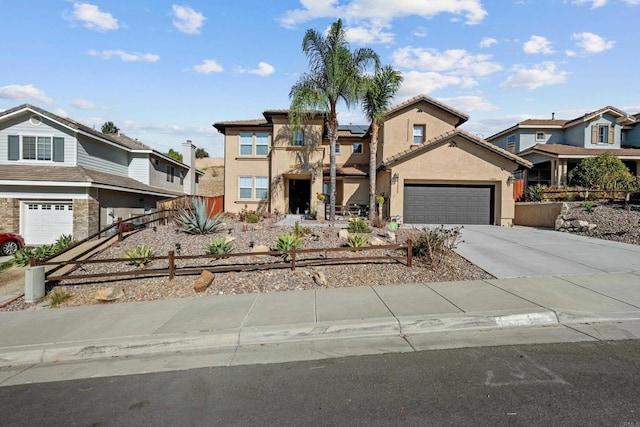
(44, 222)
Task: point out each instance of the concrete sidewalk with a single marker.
(402, 315)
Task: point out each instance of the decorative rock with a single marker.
(343, 234)
(109, 294)
(376, 241)
(578, 223)
(320, 279)
(204, 281)
(591, 227)
(391, 236)
(260, 248)
(559, 224)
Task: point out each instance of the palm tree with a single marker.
(335, 73)
(380, 88)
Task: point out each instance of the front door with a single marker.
(299, 196)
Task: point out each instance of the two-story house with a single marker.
(429, 170)
(58, 176)
(556, 146)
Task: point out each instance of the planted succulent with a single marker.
(139, 255)
(197, 219)
(358, 225)
(219, 246)
(286, 242)
(357, 240)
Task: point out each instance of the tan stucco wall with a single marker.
(535, 214)
(355, 191)
(237, 166)
(397, 132)
(462, 163)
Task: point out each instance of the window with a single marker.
(262, 187)
(249, 140)
(603, 133)
(357, 148)
(418, 134)
(541, 136)
(246, 187)
(511, 138)
(298, 138)
(246, 144)
(337, 148)
(170, 173)
(59, 207)
(35, 148)
(46, 207)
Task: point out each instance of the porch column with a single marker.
(554, 173)
(563, 178)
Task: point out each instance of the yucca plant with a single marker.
(139, 255)
(357, 240)
(219, 246)
(286, 242)
(63, 242)
(195, 219)
(22, 256)
(358, 225)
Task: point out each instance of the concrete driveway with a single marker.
(526, 251)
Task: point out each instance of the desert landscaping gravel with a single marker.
(614, 222)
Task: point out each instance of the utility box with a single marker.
(33, 283)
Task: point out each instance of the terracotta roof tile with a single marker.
(348, 169)
(570, 150)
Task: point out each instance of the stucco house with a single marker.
(556, 146)
(58, 176)
(429, 170)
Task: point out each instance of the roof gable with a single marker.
(462, 117)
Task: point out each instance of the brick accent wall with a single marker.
(86, 217)
(10, 215)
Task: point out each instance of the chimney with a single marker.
(189, 159)
(553, 116)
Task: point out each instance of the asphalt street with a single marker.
(589, 383)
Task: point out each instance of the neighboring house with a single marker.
(58, 176)
(430, 171)
(556, 146)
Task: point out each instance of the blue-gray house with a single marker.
(556, 146)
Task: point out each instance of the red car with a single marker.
(10, 243)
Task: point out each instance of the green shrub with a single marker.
(58, 296)
(358, 225)
(535, 193)
(139, 255)
(286, 242)
(196, 219)
(588, 206)
(64, 242)
(436, 244)
(357, 240)
(253, 217)
(22, 256)
(219, 246)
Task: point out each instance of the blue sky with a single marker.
(165, 71)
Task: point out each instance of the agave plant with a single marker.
(357, 240)
(196, 219)
(22, 256)
(219, 246)
(286, 242)
(139, 255)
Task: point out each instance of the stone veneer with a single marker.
(10, 215)
(86, 217)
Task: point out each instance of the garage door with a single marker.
(448, 204)
(44, 222)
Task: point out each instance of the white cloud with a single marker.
(93, 18)
(452, 61)
(594, 3)
(591, 43)
(24, 93)
(382, 11)
(469, 103)
(187, 20)
(487, 42)
(534, 77)
(369, 33)
(82, 104)
(417, 82)
(537, 45)
(632, 2)
(263, 69)
(208, 66)
(422, 32)
(125, 56)
(570, 53)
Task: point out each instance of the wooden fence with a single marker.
(215, 205)
(294, 258)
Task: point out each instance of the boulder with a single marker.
(204, 281)
(320, 279)
(591, 227)
(109, 294)
(559, 224)
(376, 241)
(578, 223)
(260, 248)
(391, 235)
(343, 234)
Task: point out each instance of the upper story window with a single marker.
(418, 134)
(337, 148)
(171, 173)
(541, 136)
(511, 138)
(254, 144)
(357, 148)
(298, 138)
(35, 148)
(602, 134)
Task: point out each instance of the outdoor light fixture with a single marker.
(395, 178)
(511, 179)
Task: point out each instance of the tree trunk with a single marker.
(373, 151)
(332, 133)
